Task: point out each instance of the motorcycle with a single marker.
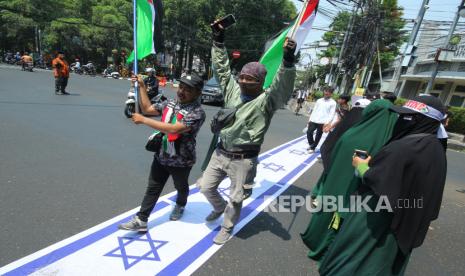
(130, 104)
(76, 70)
(89, 69)
(111, 73)
(27, 66)
(39, 63)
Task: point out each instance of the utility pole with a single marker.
(346, 38)
(411, 41)
(372, 60)
(446, 45)
(40, 41)
(36, 38)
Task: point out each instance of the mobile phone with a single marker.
(226, 21)
(361, 153)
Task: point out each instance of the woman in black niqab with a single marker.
(410, 169)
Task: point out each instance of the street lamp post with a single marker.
(460, 13)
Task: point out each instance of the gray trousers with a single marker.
(240, 171)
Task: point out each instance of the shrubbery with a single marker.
(457, 120)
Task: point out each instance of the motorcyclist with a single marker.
(26, 60)
(151, 82)
(17, 56)
(89, 68)
(110, 69)
(77, 65)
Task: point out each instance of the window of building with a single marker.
(423, 68)
(460, 88)
(461, 67)
(439, 86)
(456, 100)
(444, 67)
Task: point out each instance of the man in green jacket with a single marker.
(236, 153)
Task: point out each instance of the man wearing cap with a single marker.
(61, 73)
(240, 141)
(181, 121)
(408, 175)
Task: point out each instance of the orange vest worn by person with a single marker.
(61, 68)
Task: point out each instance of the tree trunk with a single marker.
(180, 56)
(190, 59)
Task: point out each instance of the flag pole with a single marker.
(136, 84)
(293, 31)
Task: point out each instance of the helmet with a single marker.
(150, 70)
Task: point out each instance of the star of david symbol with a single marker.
(150, 255)
(222, 191)
(272, 166)
(297, 152)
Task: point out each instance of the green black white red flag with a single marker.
(149, 19)
(272, 58)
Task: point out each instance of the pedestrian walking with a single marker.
(177, 138)
(322, 114)
(61, 73)
(372, 131)
(409, 172)
(302, 95)
(348, 120)
(342, 109)
(240, 140)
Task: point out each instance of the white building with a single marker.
(449, 84)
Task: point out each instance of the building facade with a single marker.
(449, 84)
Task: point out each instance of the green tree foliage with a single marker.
(187, 24)
(91, 29)
(379, 23)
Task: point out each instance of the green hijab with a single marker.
(370, 134)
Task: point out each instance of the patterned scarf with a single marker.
(171, 117)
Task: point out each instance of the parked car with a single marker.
(175, 84)
(211, 92)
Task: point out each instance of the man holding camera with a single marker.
(236, 153)
(180, 123)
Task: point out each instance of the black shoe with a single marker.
(58, 93)
(65, 93)
(177, 212)
(247, 194)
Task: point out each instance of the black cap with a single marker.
(372, 96)
(425, 99)
(193, 81)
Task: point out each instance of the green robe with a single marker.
(365, 245)
(370, 134)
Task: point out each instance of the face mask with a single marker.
(250, 89)
(247, 98)
(403, 125)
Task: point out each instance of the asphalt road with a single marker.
(71, 162)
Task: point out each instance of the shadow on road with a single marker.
(265, 221)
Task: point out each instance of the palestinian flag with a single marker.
(170, 116)
(273, 56)
(149, 21)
